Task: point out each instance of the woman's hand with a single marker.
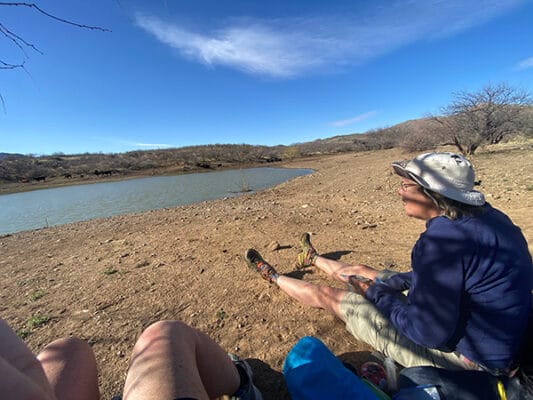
(359, 283)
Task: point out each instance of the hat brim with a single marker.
(470, 197)
(399, 168)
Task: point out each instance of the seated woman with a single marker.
(469, 291)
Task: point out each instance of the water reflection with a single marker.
(48, 207)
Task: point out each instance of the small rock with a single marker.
(141, 264)
(369, 226)
(273, 246)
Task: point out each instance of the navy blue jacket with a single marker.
(469, 289)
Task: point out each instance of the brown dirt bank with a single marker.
(105, 280)
(58, 181)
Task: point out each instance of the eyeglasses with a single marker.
(404, 186)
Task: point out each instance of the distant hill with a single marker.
(5, 155)
(413, 135)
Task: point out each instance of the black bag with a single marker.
(525, 373)
(477, 385)
(454, 385)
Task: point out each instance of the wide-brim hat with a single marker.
(448, 174)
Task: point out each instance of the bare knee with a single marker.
(329, 299)
(162, 332)
(165, 328)
(71, 348)
(70, 368)
(74, 345)
(163, 357)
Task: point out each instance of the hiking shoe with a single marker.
(308, 254)
(247, 389)
(374, 373)
(256, 262)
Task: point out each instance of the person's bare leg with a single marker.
(70, 367)
(21, 374)
(325, 297)
(336, 268)
(172, 360)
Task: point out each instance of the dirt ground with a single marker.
(106, 280)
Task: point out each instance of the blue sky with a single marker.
(190, 72)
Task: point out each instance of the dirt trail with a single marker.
(105, 280)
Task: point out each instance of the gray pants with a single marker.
(365, 322)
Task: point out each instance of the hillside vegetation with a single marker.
(414, 135)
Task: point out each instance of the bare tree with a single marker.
(418, 135)
(485, 116)
(22, 44)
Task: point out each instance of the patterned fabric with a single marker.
(257, 263)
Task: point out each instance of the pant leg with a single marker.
(366, 323)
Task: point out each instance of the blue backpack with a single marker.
(313, 372)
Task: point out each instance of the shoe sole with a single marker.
(305, 241)
(249, 262)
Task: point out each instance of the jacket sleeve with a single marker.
(431, 313)
(398, 282)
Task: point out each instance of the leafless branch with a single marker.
(22, 44)
(485, 116)
(3, 103)
(17, 40)
(4, 65)
(52, 16)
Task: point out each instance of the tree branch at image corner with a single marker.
(52, 16)
(22, 44)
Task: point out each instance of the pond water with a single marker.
(56, 206)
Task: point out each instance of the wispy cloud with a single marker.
(353, 120)
(131, 144)
(290, 47)
(151, 145)
(525, 64)
(256, 47)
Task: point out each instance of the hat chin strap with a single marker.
(428, 194)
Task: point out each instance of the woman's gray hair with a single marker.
(450, 208)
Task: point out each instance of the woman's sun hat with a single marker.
(448, 174)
